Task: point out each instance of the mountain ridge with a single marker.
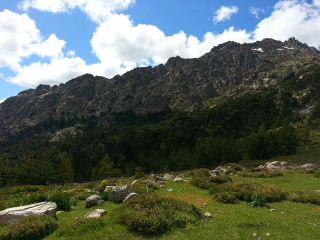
(228, 70)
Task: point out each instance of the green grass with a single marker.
(229, 221)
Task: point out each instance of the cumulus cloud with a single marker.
(1, 101)
(292, 18)
(20, 38)
(127, 45)
(255, 11)
(97, 10)
(224, 13)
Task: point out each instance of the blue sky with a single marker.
(51, 42)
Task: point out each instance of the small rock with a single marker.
(96, 214)
(268, 234)
(272, 210)
(208, 215)
(178, 179)
(255, 235)
(282, 212)
(205, 204)
(168, 176)
(131, 195)
(169, 190)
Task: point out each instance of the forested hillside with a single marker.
(211, 120)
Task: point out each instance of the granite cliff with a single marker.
(228, 70)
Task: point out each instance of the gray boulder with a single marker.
(178, 179)
(168, 176)
(11, 215)
(96, 214)
(277, 165)
(119, 193)
(109, 188)
(218, 171)
(131, 195)
(309, 166)
(93, 200)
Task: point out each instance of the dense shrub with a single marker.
(63, 201)
(258, 200)
(225, 197)
(220, 179)
(141, 187)
(201, 179)
(151, 213)
(244, 191)
(31, 227)
(104, 195)
(305, 197)
(233, 166)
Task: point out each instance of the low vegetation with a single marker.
(31, 227)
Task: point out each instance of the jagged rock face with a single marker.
(227, 70)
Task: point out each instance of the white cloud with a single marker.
(1, 101)
(255, 11)
(128, 46)
(20, 38)
(98, 10)
(292, 18)
(224, 13)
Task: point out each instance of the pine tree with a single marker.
(64, 171)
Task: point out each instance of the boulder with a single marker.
(156, 180)
(11, 215)
(168, 176)
(131, 195)
(109, 188)
(218, 171)
(277, 165)
(309, 166)
(178, 179)
(93, 200)
(96, 214)
(119, 193)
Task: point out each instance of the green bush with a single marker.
(225, 197)
(258, 200)
(244, 191)
(152, 213)
(104, 195)
(201, 182)
(233, 166)
(220, 179)
(305, 197)
(63, 201)
(141, 187)
(31, 227)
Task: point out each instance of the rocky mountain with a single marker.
(227, 71)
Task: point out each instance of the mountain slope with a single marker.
(228, 70)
